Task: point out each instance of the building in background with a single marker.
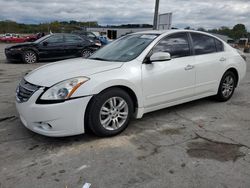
(114, 32)
(164, 23)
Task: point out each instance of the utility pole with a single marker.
(156, 14)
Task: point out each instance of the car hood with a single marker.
(25, 44)
(51, 74)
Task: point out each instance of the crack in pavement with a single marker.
(214, 132)
(213, 149)
(230, 147)
(7, 118)
(220, 142)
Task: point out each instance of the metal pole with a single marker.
(156, 14)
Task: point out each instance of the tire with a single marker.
(105, 121)
(86, 53)
(227, 86)
(29, 57)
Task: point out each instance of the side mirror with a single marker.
(160, 56)
(45, 43)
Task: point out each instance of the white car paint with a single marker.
(156, 86)
(50, 74)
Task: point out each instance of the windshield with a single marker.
(41, 39)
(124, 49)
(96, 33)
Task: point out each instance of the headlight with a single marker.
(64, 90)
(15, 49)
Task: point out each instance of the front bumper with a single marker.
(55, 120)
(13, 55)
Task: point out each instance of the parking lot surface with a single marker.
(198, 144)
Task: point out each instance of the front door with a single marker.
(73, 45)
(169, 81)
(52, 48)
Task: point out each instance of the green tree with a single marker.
(201, 29)
(239, 31)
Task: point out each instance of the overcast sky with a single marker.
(195, 13)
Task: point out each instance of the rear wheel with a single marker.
(86, 53)
(29, 57)
(109, 112)
(227, 86)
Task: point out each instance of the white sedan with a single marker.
(134, 75)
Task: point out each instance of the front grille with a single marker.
(7, 53)
(25, 90)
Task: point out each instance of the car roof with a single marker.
(170, 31)
(69, 34)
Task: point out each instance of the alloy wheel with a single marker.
(86, 53)
(30, 57)
(227, 86)
(114, 113)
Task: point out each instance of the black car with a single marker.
(52, 47)
(87, 34)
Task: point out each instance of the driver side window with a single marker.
(177, 45)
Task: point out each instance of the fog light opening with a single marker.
(45, 126)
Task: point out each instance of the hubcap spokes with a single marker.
(86, 54)
(113, 113)
(30, 57)
(227, 86)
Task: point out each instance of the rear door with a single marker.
(209, 62)
(73, 45)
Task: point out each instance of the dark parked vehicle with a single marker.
(90, 35)
(51, 47)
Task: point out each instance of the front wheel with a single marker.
(227, 86)
(29, 57)
(109, 112)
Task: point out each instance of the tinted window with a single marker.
(55, 39)
(72, 38)
(177, 45)
(219, 45)
(203, 44)
(91, 35)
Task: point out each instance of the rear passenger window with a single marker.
(177, 45)
(203, 44)
(219, 45)
(72, 38)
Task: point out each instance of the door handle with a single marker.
(223, 59)
(189, 67)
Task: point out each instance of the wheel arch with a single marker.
(127, 89)
(234, 70)
(33, 50)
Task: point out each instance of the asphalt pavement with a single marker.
(200, 144)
